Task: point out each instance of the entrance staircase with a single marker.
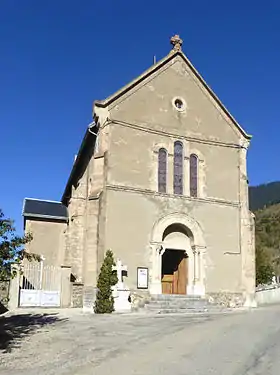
(174, 303)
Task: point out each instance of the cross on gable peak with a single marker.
(177, 42)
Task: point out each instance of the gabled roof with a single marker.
(172, 55)
(88, 138)
(37, 208)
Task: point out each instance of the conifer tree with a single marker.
(107, 278)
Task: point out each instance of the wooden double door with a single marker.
(174, 272)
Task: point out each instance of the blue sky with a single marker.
(58, 56)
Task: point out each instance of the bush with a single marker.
(107, 278)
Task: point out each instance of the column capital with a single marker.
(158, 247)
(194, 249)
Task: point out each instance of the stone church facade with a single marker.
(161, 179)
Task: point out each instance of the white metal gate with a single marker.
(40, 285)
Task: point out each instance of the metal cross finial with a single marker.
(177, 42)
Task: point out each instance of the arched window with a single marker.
(178, 168)
(162, 170)
(193, 175)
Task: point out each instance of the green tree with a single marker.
(11, 248)
(267, 243)
(264, 267)
(107, 278)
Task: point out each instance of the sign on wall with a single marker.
(142, 277)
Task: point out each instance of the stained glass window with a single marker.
(193, 175)
(162, 170)
(178, 168)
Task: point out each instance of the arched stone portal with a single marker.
(178, 249)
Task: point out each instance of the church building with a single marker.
(160, 179)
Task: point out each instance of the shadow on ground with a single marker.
(3, 308)
(14, 328)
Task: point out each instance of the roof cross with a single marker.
(177, 42)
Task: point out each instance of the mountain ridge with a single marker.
(264, 195)
(264, 201)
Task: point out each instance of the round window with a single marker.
(179, 104)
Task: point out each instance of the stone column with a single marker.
(90, 274)
(155, 287)
(191, 286)
(170, 167)
(247, 230)
(186, 179)
(202, 179)
(65, 292)
(198, 270)
(14, 292)
(196, 266)
(250, 294)
(198, 286)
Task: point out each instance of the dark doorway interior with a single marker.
(174, 272)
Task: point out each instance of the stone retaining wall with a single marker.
(225, 299)
(268, 294)
(77, 294)
(138, 299)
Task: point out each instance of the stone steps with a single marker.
(173, 297)
(178, 311)
(155, 305)
(164, 304)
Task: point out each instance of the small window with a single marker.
(162, 170)
(193, 175)
(179, 104)
(178, 168)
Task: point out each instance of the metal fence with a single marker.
(40, 285)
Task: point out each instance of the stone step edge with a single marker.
(189, 308)
(177, 296)
(153, 303)
(188, 312)
(175, 311)
(179, 302)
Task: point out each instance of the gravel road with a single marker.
(71, 343)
